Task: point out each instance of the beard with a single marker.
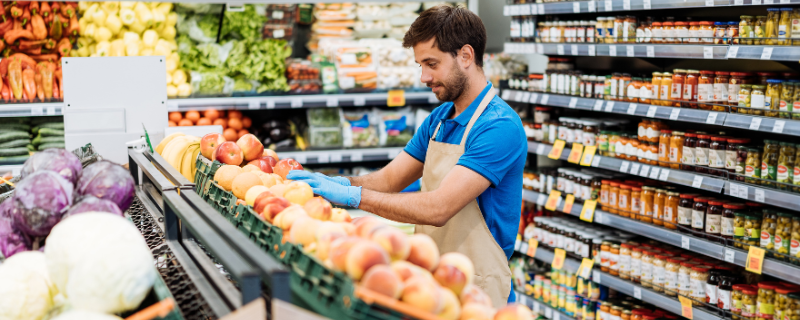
(453, 87)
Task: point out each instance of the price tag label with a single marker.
(540, 149)
(778, 126)
(646, 4)
(552, 200)
(664, 175)
(629, 51)
(573, 102)
(570, 200)
(396, 98)
(651, 51)
(709, 3)
(743, 192)
(558, 259)
(585, 270)
(519, 96)
(626, 4)
(592, 50)
(608, 5)
(587, 212)
(609, 106)
(505, 95)
(596, 162)
(769, 1)
(637, 292)
(598, 105)
(596, 277)
(673, 115)
(785, 1)
(632, 109)
(560, 49)
(612, 51)
(548, 313)
(591, 6)
(523, 247)
(755, 260)
(539, 48)
(556, 316)
(730, 255)
(755, 2)
(555, 152)
(734, 190)
(574, 48)
(686, 307)
(697, 182)
(545, 98)
(540, 200)
(732, 51)
(651, 111)
(526, 96)
(576, 7)
(588, 155)
(533, 244)
(755, 123)
(759, 195)
(540, 8)
(686, 242)
(644, 171)
(635, 168)
(51, 111)
(712, 118)
(738, 2)
(654, 173)
(332, 102)
(536, 307)
(534, 97)
(37, 111)
(518, 242)
(766, 54)
(624, 167)
(297, 103)
(360, 101)
(708, 52)
(575, 154)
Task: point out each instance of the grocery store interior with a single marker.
(266, 176)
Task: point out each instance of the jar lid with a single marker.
(759, 86)
(703, 136)
(650, 316)
(705, 23)
(543, 108)
(768, 285)
(754, 204)
(675, 259)
(680, 23)
(677, 133)
(666, 131)
(786, 9)
(694, 23)
(670, 316)
(640, 312)
(773, 81)
(795, 296)
(667, 23)
(733, 206)
(679, 70)
(614, 184)
(687, 255)
(688, 264)
(692, 71)
(719, 138)
(690, 135)
(662, 257)
(701, 268)
(689, 195)
(738, 140)
(767, 74)
(706, 72)
(739, 74)
(786, 290)
(750, 290)
(666, 74)
(698, 260)
(715, 202)
(673, 193)
(720, 23)
(785, 214)
(701, 199)
(722, 73)
(655, 24)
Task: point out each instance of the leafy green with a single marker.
(245, 24)
(261, 60)
(241, 84)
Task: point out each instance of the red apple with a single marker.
(228, 153)
(270, 207)
(262, 164)
(284, 166)
(209, 143)
(251, 147)
(270, 153)
(272, 162)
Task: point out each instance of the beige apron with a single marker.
(466, 232)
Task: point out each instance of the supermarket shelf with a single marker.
(296, 101)
(626, 5)
(718, 52)
(733, 120)
(541, 307)
(675, 238)
(546, 255)
(31, 109)
(13, 168)
(755, 193)
(774, 53)
(550, 8)
(342, 155)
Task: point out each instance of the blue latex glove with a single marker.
(329, 188)
(340, 180)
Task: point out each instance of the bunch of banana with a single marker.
(181, 152)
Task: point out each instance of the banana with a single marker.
(186, 162)
(176, 150)
(170, 148)
(194, 163)
(166, 140)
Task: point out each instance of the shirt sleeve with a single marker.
(417, 147)
(493, 150)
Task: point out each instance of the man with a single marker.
(470, 153)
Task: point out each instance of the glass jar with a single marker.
(690, 89)
(706, 32)
(717, 152)
(699, 277)
(614, 86)
(734, 84)
(685, 208)
(681, 32)
(694, 33)
(772, 97)
(728, 220)
(720, 32)
(701, 153)
(659, 272)
(711, 286)
(769, 162)
(670, 214)
(671, 269)
(752, 226)
(713, 223)
(646, 91)
(796, 97)
(629, 29)
(636, 202)
(722, 81)
(615, 313)
(624, 81)
(648, 202)
(745, 30)
(605, 248)
(684, 278)
(689, 159)
(625, 261)
(669, 32)
(636, 264)
(732, 153)
(757, 99)
(613, 260)
(659, 201)
(699, 209)
(753, 166)
(675, 152)
(676, 94)
(786, 160)
(705, 88)
(782, 301)
(613, 195)
(769, 222)
(624, 200)
(665, 89)
(725, 292)
(793, 307)
(745, 99)
(657, 29)
(786, 103)
(760, 29)
(646, 276)
(749, 302)
(765, 307)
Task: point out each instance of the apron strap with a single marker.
(433, 137)
(485, 102)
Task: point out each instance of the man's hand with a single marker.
(329, 188)
(340, 180)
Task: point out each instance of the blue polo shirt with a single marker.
(496, 148)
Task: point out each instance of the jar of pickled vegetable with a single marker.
(732, 32)
(757, 99)
(705, 88)
(748, 302)
(659, 271)
(734, 84)
(745, 99)
(782, 300)
(646, 275)
(768, 224)
(622, 86)
(786, 160)
(684, 278)
(772, 97)
(648, 202)
(739, 221)
(699, 277)
(784, 27)
(736, 299)
(793, 307)
(728, 221)
(671, 269)
(752, 171)
(760, 30)
(769, 162)
(613, 260)
(783, 233)
(670, 215)
(786, 103)
(794, 244)
(796, 97)
(676, 92)
(752, 229)
(765, 307)
(720, 31)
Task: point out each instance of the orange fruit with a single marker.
(230, 134)
(185, 123)
(221, 122)
(211, 114)
(235, 114)
(235, 123)
(175, 117)
(193, 116)
(241, 133)
(204, 122)
(247, 122)
(172, 124)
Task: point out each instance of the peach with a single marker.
(472, 294)
(423, 294)
(251, 168)
(261, 164)
(407, 270)
(318, 208)
(269, 207)
(327, 227)
(349, 228)
(474, 311)
(244, 182)
(251, 147)
(228, 153)
(225, 175)
(366, 225)
(514, 311)
(324, 243)
(452, 307)
(364, 256)
(424, 251)
(383, 280)
(283, 167)
(339, 250)
(279, 189)
(304, 230)
(209, 143)
(253, 193)
(288, 216)
(267, 179)
(298, 192)
(270, 153)
(394, 241)
(340, 215)
(455, 271)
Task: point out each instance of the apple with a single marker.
(283, 167)
(270, 153)
(228, 153)
(269, 207)
(251, 147)
(272, 162)
(262, 164)
(209, 143)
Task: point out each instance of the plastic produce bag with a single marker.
(201, 28)
(358, 131)
(325, 130)
(396, 126)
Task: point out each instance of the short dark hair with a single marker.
(452, 27)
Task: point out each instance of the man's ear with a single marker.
(466, 56)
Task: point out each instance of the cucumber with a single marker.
(10, 152)
(39, 120)
(44, 146)
(36, 141)
(14, 127)
(39, 140)
(47, 132)
(4, 121)
(31, 148)
(15, 143)
(51, 125)
(13, 135)
(14, 159)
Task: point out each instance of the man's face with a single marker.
(440, 71)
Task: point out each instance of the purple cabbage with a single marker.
(11, 240)
(93, 204)
(61, 161)
(109, 181)
(39, 202)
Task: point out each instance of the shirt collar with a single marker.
(464, 117)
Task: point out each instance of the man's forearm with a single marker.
(417, 207)
(373, 181)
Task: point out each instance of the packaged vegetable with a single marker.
(396, 126)
(358, 131)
